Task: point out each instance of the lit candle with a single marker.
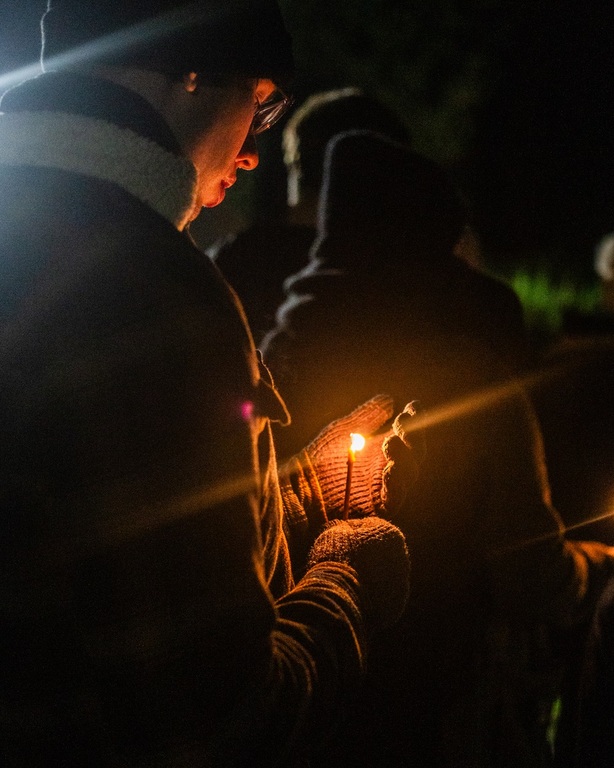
(357, 444)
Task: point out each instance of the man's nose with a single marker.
(248, 154)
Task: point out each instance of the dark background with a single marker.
(514, 97)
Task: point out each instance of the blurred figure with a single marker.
(575, 405)
(470, 674)
(604, 267)
(257, 260)
(600, 320)
(310, 128)
(390, 229)
(576, 409)
(586, 736)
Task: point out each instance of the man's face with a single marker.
(217, 136)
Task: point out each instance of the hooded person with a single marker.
(149, 611)
(383, 265)
(467, 677)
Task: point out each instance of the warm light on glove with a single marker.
(376, 550)
(404, 451)
(382, 471)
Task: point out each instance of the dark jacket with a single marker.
(148, 613)
(585, 737)
(256, 262)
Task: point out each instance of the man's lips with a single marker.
(224, 184)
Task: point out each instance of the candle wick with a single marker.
(348, 484)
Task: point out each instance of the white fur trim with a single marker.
(162, 180)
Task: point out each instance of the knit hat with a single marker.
(378, 192)
(236, 37)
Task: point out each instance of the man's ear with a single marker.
(190, 81)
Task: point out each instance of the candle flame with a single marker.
(358, 441)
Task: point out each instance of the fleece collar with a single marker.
(164, 181)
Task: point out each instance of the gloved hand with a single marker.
(382, 470)
(376, 550)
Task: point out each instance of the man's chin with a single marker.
(213, 201)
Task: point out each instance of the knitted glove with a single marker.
(376, 550)
(328, 455)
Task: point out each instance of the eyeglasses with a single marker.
(270, 111)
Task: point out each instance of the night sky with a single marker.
(544, 157)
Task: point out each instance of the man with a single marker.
(149, 614)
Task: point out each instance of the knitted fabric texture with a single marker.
(304, 510)
(328, 454)
(377, 551)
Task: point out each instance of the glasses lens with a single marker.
(268, 114)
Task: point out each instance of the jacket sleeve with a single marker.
(307, 679)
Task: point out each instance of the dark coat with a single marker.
(575, 405)
(142, 550)
(256, 262)
(586, 739)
